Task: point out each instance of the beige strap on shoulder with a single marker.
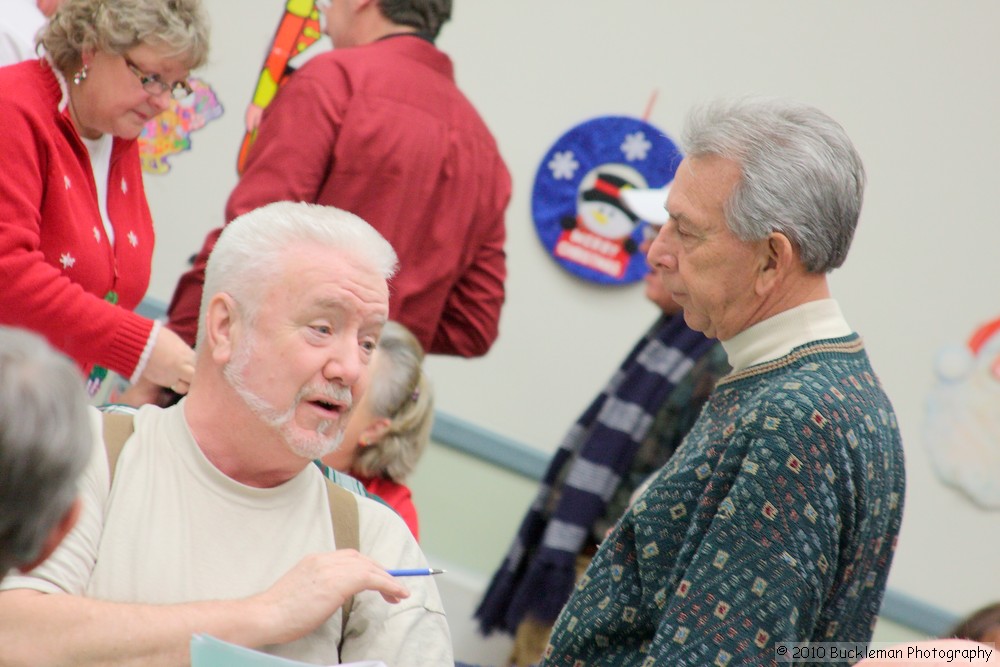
(343, 505)
(346, 533)
(117, 429)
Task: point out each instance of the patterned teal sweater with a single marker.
(775, 521)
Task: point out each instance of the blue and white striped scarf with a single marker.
(537, 575)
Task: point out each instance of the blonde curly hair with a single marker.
(179, 27)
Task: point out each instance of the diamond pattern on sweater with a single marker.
(775, 521)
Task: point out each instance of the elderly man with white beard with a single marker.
(215, 520)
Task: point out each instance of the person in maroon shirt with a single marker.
(378, 127)
(391, 425)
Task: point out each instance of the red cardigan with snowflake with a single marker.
(56, 263)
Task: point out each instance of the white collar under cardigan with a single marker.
(776, 336)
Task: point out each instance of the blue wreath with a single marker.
(588, 146)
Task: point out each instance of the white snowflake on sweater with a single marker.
(636, 146)
(133, 239)
(563, 165)
(67, 260)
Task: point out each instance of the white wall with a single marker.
(914, 83)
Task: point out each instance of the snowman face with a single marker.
(605, 219)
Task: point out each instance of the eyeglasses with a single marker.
(153, 85)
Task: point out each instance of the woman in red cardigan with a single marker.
(390, 426)
(76, 235)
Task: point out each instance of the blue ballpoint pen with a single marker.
(422, 572)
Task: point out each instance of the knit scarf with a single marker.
(538, 572)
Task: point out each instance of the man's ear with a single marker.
(56, 535)
(778, 256)
(374, 431)
(222, 323)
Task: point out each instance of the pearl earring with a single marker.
(81, 75)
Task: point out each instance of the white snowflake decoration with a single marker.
(636, 146)
(97, 234)
(124, 186)
(563, 165)
(67, 260)
(133, 239)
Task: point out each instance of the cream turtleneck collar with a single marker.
(776, 336)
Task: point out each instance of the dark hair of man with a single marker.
(427, 16)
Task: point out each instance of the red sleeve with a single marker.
(289, 161)
(470, 320)
(38, 297)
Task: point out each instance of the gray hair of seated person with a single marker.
(400, 392)
(45, 443)
(427, 16)
(257, 247)
(177, 27)
(801, 175)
